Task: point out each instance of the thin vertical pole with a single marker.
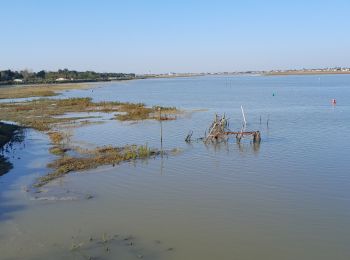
(245, 122)
(161, 130)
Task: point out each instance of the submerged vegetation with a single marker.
(90, 159)
(117, 246)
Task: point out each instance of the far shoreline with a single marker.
(301, 73)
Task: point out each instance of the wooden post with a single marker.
(256, 137)
(245, 122)
(161, 130)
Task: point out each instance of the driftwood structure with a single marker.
(219, 131)
(255, 134)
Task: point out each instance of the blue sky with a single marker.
(173, 36)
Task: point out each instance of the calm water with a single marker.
(288, 198)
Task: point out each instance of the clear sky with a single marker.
(173, 36)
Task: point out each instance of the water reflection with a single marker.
(8, 207)
(228, 146)
(292, 207)
(246, 147)
(5, 165)
(8, 149)
(217, 146)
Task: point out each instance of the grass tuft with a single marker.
(56, 137)
(58, 150)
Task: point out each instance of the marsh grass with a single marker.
(141, 112)
(43, 113)
(47, 115)
(94, 158)
(56, 137)
(37, 90)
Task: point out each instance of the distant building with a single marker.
(61, 79)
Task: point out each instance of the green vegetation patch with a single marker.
(58, 150)
(93, 158)
(141, 112)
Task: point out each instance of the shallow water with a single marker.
(288, 198)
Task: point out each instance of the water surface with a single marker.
(288, 198)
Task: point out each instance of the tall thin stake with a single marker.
(161, 130)
(245, 122)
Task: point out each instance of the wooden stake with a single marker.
(245, 122)
(161, 130)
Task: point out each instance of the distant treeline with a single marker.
(60, 76)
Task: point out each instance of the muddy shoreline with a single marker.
(305, 73)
